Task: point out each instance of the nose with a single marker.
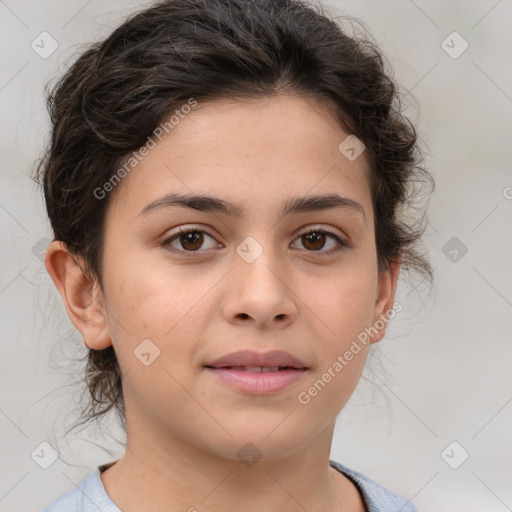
(260, 291)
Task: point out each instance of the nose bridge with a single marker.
(258, 288)
(259, 262)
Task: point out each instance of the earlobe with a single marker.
(81, 295)
(388, 280)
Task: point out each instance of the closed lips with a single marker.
(253, 361)
(255, 369)
(257, 373)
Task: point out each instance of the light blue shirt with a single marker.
(91, 496)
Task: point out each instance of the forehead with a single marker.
(264, 149)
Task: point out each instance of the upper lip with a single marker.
(253, 358)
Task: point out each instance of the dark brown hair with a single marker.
(119, 90)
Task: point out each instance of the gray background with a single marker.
(441, 375)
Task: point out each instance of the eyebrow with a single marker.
(204, 203)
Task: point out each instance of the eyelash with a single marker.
(342, 244)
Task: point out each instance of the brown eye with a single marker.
(315, 240)
(190, 240)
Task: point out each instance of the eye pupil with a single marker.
(315, 236)
(191, 237)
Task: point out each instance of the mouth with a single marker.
(251, 360)
(256, 369)
(257, 373)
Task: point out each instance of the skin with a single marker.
(184, 426)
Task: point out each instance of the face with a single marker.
(253, 281)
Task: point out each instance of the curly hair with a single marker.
(120, 89)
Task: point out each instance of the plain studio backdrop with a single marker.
(432, 420)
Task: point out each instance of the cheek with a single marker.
(344, 302)
(145, 306)
(156, 302)
(345, 310)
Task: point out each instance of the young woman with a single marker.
(226, 183)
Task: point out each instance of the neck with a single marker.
(174, 475)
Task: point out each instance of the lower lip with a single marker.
(258, 383)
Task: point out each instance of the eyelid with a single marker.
(321, 227)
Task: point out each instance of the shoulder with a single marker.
(89, 496)
(377, 498)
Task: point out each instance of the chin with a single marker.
(251, 445)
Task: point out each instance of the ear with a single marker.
(384, 303)
(82, 296)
